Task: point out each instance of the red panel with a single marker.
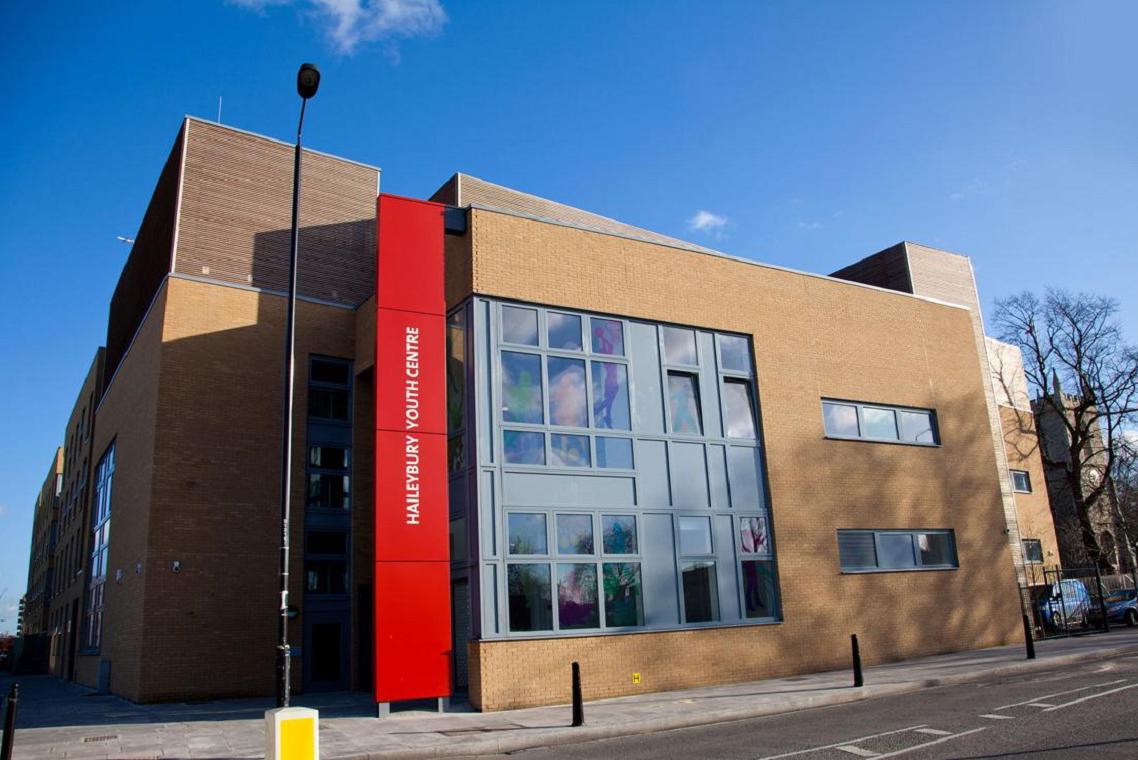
(412, 630)
(412, 571)
(409, 266)
(411, 520)
(410, 389)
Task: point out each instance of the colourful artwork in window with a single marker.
(610, 396)
(567, 403)
(684, 404)
(577, 596)
(608, 336)
(569, 450)
(753, 538)
(521, 388)
(623, 599)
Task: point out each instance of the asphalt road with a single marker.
(1080, 711)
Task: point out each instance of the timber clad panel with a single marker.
(237, 212)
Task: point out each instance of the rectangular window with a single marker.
(564, 331)
(519, 325)
(701, 597)
(1021, 481)
(100, 549)
(876, 422)
(738, 411)
(574, 534)
(569, 450)
(530, 598)
(610, 396)
(614, 453)
(527, 533)
(758, 589)
(624, 606)
(523, 447)
(607, 336)
(619, 534)
(870, 550)
(679, 346)
(521, 388)
(577, 596)
(567, 404)
(683, 403)
(1033, 550)
(456, 390)
(734, 353)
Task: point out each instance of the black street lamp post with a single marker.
(307, 82)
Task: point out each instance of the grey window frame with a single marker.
(861, 406)
(1026, 477)
(912, 533)
(1037, 543)
(91, 640)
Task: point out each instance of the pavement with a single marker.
(63, 720)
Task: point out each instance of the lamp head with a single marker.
(307, 80)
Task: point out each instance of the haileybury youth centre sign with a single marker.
(412, 562)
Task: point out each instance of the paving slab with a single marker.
(62, 720)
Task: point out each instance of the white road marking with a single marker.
(1039, 704)
(1092, 696)
(843, 743)
(1059, 694)
(933, 732)
(857, 751)
(998, 717)
(941, 740)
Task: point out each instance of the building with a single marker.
(1025, 462)
(41, 561)
(673, 466)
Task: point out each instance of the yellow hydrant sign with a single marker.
(292, 733)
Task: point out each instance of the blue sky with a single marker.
(809, 134)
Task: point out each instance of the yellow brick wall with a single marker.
(1022, 446)
(814, 337)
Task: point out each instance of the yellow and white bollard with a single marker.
(292, 733)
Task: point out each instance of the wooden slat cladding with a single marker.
(885, 269)
(148, 263)
(472, 191)
(236, 213)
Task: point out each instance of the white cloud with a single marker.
(809, 225)
(351, 23)
(706, 221)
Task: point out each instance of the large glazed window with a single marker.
(620, 479)
(100, 549)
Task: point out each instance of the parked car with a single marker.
(1121, 607)
(1064, 604)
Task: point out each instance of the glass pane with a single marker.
(523, 448)
(564, 331)
(610, 396)
(333, 373)
(895, 550)
(608, 336)
(456, 370)
(758, 589)
(329, 491)
(619, 534)
(527, 533)
(569, 450)
(574, 534)
(695, 535)
(1021, 481)
(856, 549)
(329, 457)
(679, 346)
(614, 453)
(935, 548)
(531, 602)
(326, 654)
(567, 404)
(735, 353)
(326, 542)
(458, 539)
(519, 325)
(456, 456)
(683, 394)
(326, 576)
(701, 599)
(328, 404)
(879, 423)
(1033, 549)
(916, 426)
(521, 387)
(753, 537)
(577, 596)
(623, 604)
(840, 419)
(737, 408)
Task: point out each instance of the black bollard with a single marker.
(858, 680)
(1028, 638)
(10, 723)
(578, 707)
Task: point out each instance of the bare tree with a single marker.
(1086, 380)
(1125, 480)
